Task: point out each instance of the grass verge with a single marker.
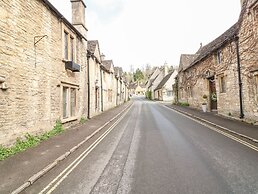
(29, 141)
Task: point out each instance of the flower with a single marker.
(214, 96)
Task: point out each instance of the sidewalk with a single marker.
(238, 127)
(16, 170)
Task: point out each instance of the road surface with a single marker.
(153, 149)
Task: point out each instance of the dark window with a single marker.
(219, 56)
(66, 35)
(72, 49)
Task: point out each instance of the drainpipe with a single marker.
(101, 87)
(241, 116)
(88, 69)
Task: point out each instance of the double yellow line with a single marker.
(64, 174)
(218, 131)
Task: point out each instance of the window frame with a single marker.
(71, 44)
(222, 84)
(71, 105)
(219, 56)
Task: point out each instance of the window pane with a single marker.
(65, 98)
(73, 101)
(71, 51)
(66, 45)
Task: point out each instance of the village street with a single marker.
(153, 149)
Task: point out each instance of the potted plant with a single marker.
(204, 104)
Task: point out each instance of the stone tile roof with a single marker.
(215, 44)
(117, 73)
(186, 60)
(152, 80)
(92, 44)
(132, 85)
(107, 64)
(227, 36)
(121, 71)
(104, 68)
(142, 85)
(163, 81)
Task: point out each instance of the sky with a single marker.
(134, 33)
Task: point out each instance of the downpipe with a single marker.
(241, 116)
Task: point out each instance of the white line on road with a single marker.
(63, 175)
(217, 130)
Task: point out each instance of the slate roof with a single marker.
(92, 44)
(107, 64)
(163, 81)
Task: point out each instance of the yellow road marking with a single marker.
(218, 131)
(63, 175)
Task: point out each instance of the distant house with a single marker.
(110, 91)
(226, 70)
(140, 89)
(131, 87)
(164, 91)
(137, 88)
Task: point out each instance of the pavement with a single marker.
(237, 127)
(21, 170)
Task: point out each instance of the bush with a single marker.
(148, 95)
(83, 120)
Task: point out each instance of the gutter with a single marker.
(101, 87)
(88, 78)
(241, 116)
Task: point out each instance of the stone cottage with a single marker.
(225, 70)
(42, 68)
(94, 79)
(164, 91)
(110, 86)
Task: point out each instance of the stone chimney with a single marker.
(242, 1)
(78, 16)
(165, 68)
(102, 57)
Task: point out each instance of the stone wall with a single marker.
(248, 43)
(34, 75)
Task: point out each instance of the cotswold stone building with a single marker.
(42, 67)
(225, 70)
(94, 79)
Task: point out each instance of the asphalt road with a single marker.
(156, 150)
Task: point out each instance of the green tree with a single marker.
(138, 75)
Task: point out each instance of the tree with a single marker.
(138, 75)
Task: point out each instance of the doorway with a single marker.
(213, 94)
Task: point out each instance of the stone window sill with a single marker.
(66, 120)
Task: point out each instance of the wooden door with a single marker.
(213, 94)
